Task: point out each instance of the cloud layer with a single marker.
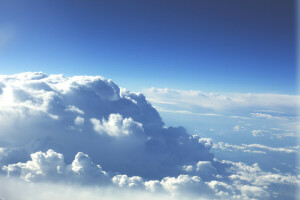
(224, 103)
(88, 131)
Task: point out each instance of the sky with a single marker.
(232, 46)
(149, 100)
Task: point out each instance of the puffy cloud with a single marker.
(79, 121)
(117, 126)
(185, 183)
(124, 180)
(207, 142)
(51, 166)
(42, 165)
(204, 180)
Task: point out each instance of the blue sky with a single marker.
(232, 46)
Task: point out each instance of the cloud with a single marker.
(7, 35)
(115, 127)
(278, 149)
(257, 133)
(238, 128)
(87, 131)
(219, 180)
(79, 121)
(72, 191)
(248, 148)
(236, 104)
(187, 112)
(50, 166)
(268, 116)
(125, 181)
(72, 108)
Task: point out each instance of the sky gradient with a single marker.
(232, 46)
(209, 110)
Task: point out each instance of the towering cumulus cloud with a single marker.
(87, 130)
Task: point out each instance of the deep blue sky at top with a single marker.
(212, 45)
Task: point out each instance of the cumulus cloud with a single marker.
(87, 130)
(79, 121)
(203, 180)
(51, 166)
(117, 126)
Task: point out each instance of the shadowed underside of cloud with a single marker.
(61, 129)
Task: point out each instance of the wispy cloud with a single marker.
(7, 34)
(222, 103)
(254, 148)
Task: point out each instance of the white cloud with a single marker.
(253, 148)
(207, 142)
(131, 182)
(278, 103)
(72, 108)
(278, 149)
(241, 181)
(257, 133)
(41, 165)
(187, 112)
(238, 128)
(268, 116)
(117, 126)
(253, 175)
(51, 166)
(125, 133)
(71, 191)
(79, 121)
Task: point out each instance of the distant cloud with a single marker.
(74, 109)
(217, 103)
(257, 133)
(238, 128)
(253, 148)
(7, 34)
